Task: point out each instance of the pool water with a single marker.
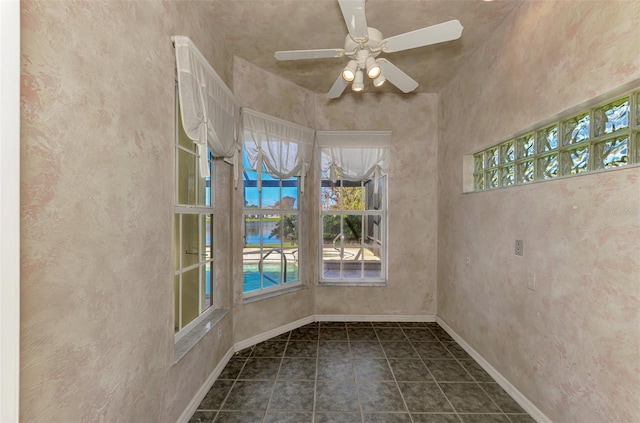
(272, 277)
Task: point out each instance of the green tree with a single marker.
(289, 230)
(341, 198)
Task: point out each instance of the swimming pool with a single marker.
(272, 275)
(271, 272)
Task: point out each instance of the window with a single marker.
(193, 232)
(353, 232)
(599, 138)
(207, 117)
(276, 156)
(353, 211)
(270, 255)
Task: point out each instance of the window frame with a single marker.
(384, 242)
(280, 212)
(202, 211)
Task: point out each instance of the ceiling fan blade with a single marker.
(446, 31)
(337, 88)
(325, 53)
(354, 17)
(398, 78)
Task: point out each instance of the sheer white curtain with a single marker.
(354, 155)
(210, 112)
(284, 148)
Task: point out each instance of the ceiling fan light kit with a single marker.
(358, 82)
(349, 71)
(373, 69)
(377, 82)
(363, 44)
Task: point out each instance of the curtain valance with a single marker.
(354, 155)
(210, 112)
(284, 148)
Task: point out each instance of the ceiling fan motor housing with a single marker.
(372, 44)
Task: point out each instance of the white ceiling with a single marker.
(255, 29)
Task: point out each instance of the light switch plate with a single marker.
(531, 281)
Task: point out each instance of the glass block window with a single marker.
(600, 138)
(611, 118)
(525, 172)
(547, 139)
(478, 180)
(611, 153)
(524, 146)
(478, 163)
(507, 152)
(575, 129)
(507, 176)
(492, 179)
(575, 161)
(492, 157)
(547, 166)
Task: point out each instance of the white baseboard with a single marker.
(272, 333)
(332, 318)
(375, 318)
(202, 392)
(523, 401)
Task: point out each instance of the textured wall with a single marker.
(412, 217)
(411, 288)
(572, 345)
(97, 195)
(264, 92)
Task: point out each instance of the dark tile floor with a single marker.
(358, 372)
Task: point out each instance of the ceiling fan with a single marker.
(363, 44)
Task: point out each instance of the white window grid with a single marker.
(261, 212)
(600, 138)
(196, 203)
(204, 265)
(379, 215)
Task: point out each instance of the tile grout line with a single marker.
(355, 378)
(275, 380)
(215, 417)
(434, 378)
(406, 406)
(476, 381)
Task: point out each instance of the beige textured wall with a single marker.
(412, 216)
(97, 195)
(572, 346)
(267, 93)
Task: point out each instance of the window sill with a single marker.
(190, 339)
(350, 283)
(259, 297)
(559, 178)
